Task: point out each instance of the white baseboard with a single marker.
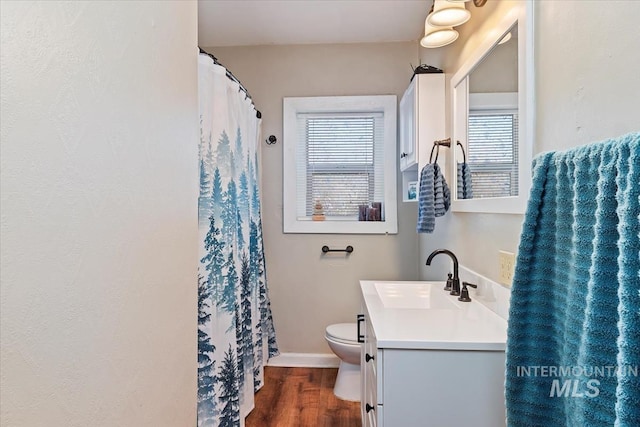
(305, 360)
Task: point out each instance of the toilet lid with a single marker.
(343, 332)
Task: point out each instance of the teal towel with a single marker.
(573, 349)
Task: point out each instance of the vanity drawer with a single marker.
(375, 418)
(370, 358)
(371, 364)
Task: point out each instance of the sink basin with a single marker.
(414, 295)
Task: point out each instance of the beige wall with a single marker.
(498, 72)
(310, 291)
(99, 213)
(586, 68)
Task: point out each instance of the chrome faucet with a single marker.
(455, 284)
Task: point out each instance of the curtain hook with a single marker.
(271, 140)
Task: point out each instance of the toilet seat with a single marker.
(346, 333)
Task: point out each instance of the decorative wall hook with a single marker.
(271, 140)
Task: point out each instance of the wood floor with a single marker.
(301, 397)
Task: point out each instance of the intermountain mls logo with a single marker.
(576, 381)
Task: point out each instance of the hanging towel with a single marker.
(573, 348)
(434, 198)
(441, 193)
(465, 190)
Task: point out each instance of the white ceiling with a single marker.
(260, 22)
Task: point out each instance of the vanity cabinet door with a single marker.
(408, 127)
(422, 120)
(370, 362)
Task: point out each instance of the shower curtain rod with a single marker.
(234, 79)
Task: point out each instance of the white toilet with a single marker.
(343, 340)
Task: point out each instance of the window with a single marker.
(492, 150)
(339, 152)
(337, 161)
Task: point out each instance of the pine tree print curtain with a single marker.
(235, 329)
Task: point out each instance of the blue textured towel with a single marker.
(434, 197)
(575, 302)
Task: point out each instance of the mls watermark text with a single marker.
(576, 381)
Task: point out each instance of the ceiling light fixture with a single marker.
(448, 14)
(437, 36)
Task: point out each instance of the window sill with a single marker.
(341, 227)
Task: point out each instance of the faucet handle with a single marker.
(464, 293)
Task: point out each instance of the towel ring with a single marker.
(431, 160)
(446, 143)
(438, 143)
(464, 155)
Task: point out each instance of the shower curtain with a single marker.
(235, 328)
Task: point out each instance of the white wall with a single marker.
(587, 72)
(99, 213)
(308, 290)
(587, 64)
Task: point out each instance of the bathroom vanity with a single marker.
(429, 359)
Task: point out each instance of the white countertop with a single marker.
(448, 325)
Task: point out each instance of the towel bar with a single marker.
(348, 249)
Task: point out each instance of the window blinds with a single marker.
(492, 154)
(339, 163)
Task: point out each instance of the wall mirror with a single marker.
(493, 120)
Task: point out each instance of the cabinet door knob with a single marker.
(369, 408)
(403, 155)
(368, 357)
